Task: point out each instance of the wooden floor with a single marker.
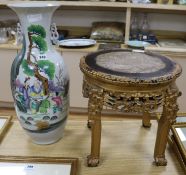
(127, 148)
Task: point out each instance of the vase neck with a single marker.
(36, 21)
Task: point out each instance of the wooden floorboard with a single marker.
(126, 149)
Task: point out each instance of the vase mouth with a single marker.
(34, 4)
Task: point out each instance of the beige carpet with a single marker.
(127, 148)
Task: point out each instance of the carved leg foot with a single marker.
(146, 125)
(160, 161)
(146, 120)
(92, 162)
(89, 124)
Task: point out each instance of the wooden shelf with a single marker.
(173, 7)
(112, 5)
(10, 46)
(177, 52)
(126, 7)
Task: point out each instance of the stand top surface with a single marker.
(132, 67)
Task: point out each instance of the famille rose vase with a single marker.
(39, 78)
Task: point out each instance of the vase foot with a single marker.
(47, 143)
(48, 137)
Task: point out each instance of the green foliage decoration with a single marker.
(48, 67)
(40, 42)
(27, 69)
(44, 106)
(38, 30)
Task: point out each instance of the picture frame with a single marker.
(178, 141)
(179, 136)
(181, 117)
(25, 165)
(175, 141)
(5, 122)
(174, 145)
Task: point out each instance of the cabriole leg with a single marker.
(168, 117)
(94, 111)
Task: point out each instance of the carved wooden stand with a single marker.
(130, 95)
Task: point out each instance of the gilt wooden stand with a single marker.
(130, 82)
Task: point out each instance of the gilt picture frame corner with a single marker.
(38, 165)
(179, 114)
(5, 122)
(178, 130)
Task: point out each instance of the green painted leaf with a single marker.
(26, 68)
(42, 110)
(40, 42)
(44, 106)
(48, 67)
(38, 30)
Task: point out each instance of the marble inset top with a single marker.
(129, 62)
(127, 66)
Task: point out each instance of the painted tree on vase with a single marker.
(40, 69)
(38, 93)
(36, 35)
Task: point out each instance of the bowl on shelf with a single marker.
(137, 44)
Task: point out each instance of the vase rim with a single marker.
(34, 4)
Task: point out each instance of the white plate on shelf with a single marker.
(137, 44)
(77, 43)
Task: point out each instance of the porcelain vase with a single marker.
(39, 78)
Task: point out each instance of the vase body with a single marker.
(39, 78)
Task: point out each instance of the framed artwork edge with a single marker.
(176, 138)
(178, 154)
(5, 127)
(179, 114)
(176, 143)
(42, 159)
